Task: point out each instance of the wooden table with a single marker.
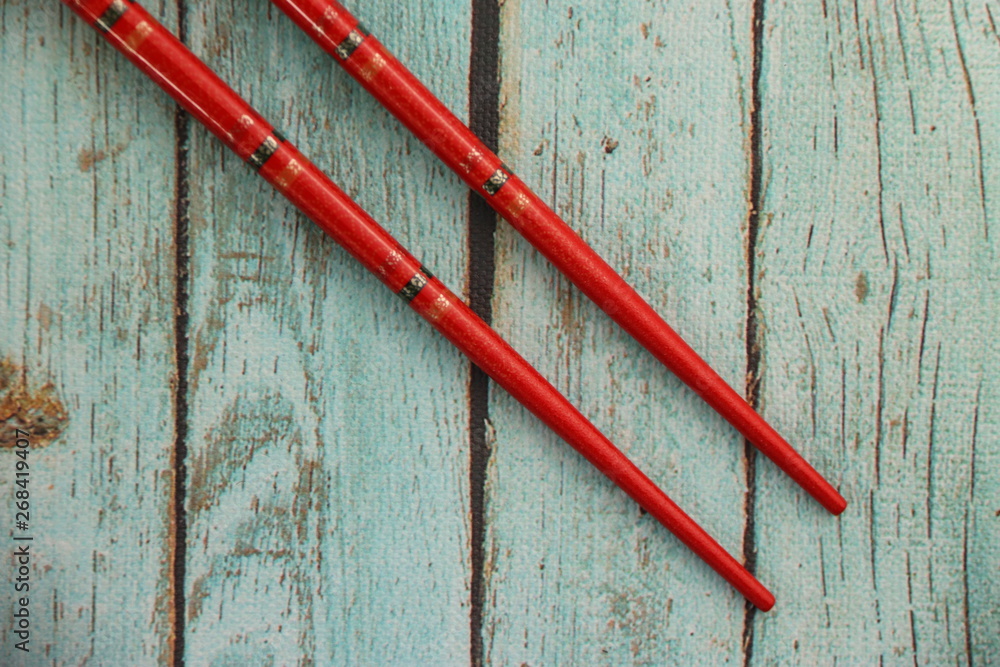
(246, 452)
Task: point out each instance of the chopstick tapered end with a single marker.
(756, 593)
(765, 602)
(830, 499)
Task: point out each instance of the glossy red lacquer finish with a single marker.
(203, 94)
(331, 26)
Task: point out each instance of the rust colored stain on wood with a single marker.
(88, 157)
(36, 410)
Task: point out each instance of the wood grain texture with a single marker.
(327, 429)
(877, 288)
(631, 119)
(328, 464)
(86, 300)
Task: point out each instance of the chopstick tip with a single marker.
(836, 504)
(756, 592)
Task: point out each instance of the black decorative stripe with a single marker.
(279, 136)
(426, 272)
(111, 15)
(266, 149)
(495, 182)
(350, 43)
(413, 287)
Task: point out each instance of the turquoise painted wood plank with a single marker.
(86, 300)
(631, 118)
(327, 515)
(878, 292)
(328, 452)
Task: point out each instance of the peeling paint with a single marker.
(38, 411)
(88, 157)
(861, 287)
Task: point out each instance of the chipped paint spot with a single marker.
(163, 617)
(39, 411)
(199, 591)
(861, 287)
(88, 157)
(44, 317)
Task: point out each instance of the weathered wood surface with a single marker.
(877, 288)
(631, 119)
(326, 430)
(328, 473)
(86, 300)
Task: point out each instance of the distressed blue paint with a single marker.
(86, 301)
(327, 427)
(631, 119)
(878, 293)
(328, 459)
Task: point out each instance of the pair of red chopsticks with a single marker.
(131, 30)
(395, 87)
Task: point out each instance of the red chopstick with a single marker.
(396, 88)
(154, 50)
